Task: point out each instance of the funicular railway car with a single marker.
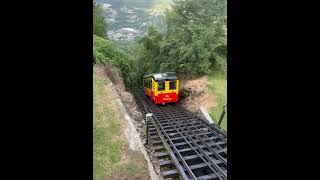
(161, 87)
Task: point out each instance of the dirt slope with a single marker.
(195, 93)
(126, 97)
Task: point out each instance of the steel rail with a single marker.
(216, 168)
(212, 127)
(179, 122)
(176, 150)
(218, 146)
(191, 121)
(200, 139)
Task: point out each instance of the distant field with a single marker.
(218, 85)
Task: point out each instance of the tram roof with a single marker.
(162, 76)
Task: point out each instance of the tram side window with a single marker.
(146, 83)
(161, 86)
(172, 85)
(150, 84)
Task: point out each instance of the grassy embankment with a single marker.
(218, 85)
(111, 157)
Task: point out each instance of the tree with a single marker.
(99, 22)
(194, 41)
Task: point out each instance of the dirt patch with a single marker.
(115, 76)
(195, 93)
(126, 97)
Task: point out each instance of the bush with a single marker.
(194, 42)
(104, 51)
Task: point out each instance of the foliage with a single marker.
(194, 42)
(105, 51)
(99, 21)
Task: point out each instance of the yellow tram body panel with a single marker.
(151, 88)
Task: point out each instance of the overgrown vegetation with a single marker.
(105, 51)
(99, 22)
(194, 42)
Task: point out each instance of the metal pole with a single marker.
(148, 116)
(222, 114)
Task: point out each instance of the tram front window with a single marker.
(161, 86)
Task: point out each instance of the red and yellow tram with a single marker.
(161, 87)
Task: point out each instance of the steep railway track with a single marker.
(187, 147)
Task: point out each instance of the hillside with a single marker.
(112, 157)
(132, 38)
(129, 19)
(194, 42)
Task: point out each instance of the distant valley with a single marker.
(129, 19)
